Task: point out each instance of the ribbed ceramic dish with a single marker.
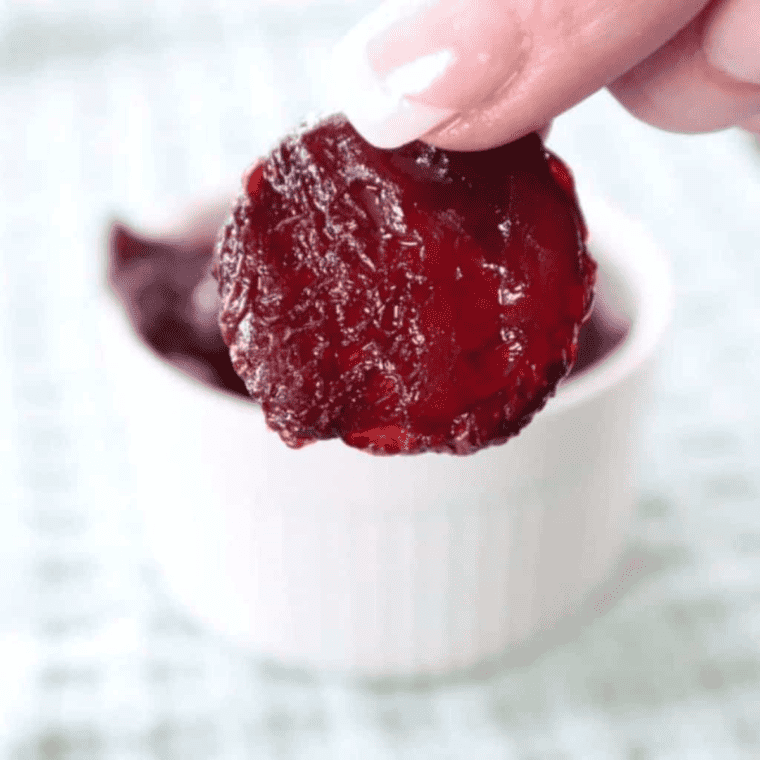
(332, 559)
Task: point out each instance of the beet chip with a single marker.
(403, 300)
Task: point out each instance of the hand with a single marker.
(473, 74)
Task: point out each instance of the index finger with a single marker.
(473, 74)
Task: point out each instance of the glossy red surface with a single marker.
(407, 300)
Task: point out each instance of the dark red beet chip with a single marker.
(403, 300)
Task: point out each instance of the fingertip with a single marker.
(380, 108)
(409, 68)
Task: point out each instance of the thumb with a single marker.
(473, 74)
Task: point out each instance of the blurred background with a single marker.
(135, 109)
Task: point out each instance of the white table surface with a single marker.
(134, 109)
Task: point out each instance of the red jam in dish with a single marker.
(172, 300)
(403, 300)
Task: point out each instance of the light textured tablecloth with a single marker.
(134, 108)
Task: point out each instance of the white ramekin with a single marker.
(332, 559)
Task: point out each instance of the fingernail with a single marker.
(410, 66)
(731, 41)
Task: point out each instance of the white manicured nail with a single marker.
(379, 107)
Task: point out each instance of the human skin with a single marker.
(473, 74)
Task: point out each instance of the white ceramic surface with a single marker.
(333, 559)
